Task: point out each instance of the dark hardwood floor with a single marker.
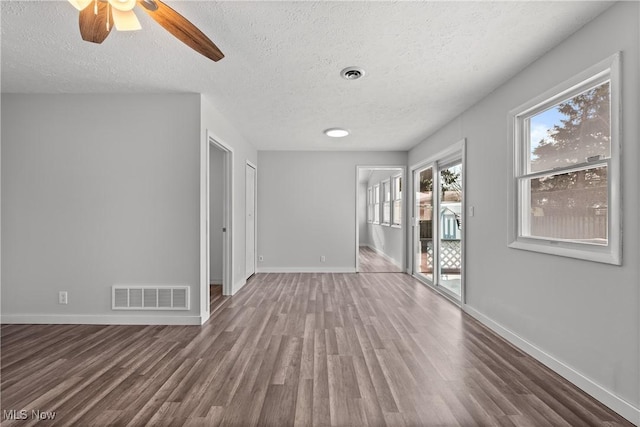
(303, 349)
(373, 262)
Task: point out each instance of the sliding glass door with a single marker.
(424, 229)
(450, 227)
(438, 224)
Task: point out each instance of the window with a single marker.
(397, 200)
(376, 204)
(369, 204)
(566, 171)
(386, 202)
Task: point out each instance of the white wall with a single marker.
(97, 190)
(306, 208)
(225, 132)
(101, 190)
(385, 239)
(216, 212)
(579, 317)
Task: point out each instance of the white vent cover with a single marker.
(141, 297)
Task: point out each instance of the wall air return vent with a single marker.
(142, 297)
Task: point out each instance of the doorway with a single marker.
(438, 220)
(216, 226)
(380, 223)
(250, 226)
(216, 220)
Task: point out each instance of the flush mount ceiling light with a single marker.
(336, 132)
(96, 22)
(352, 73)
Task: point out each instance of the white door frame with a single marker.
(434, 161)
(211, 142)
(403, 170)
(255, 216)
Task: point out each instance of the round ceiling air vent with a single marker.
(352, 73)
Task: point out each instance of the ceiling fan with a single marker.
(96, 22)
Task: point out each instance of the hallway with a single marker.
(373, 262)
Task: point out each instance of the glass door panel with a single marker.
(450, 227)
(424, 230)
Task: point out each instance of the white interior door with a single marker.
(250, 257)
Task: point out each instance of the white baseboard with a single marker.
(306, 270)
(215, 280)
(203, 319)
(621, 406)
(91, 319)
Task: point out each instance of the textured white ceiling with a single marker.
(279, 83)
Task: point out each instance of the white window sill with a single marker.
(593, 253)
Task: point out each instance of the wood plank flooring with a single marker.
(216, 299)
(292, 349)
(373, 262)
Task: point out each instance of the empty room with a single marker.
(336, 213)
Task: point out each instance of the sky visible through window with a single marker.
(541, 124)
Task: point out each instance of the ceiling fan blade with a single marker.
(93, 27)
(182, 29)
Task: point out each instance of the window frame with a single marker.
(396, 222)
(369, 205)
(385, 200)
(519, 146)
(376, 204)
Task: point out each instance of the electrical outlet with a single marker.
(260, 258)
(62, 297)
(323, 258)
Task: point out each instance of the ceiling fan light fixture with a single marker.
(125, 21)
(80, 4)
(336, 132)
(122, 5)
